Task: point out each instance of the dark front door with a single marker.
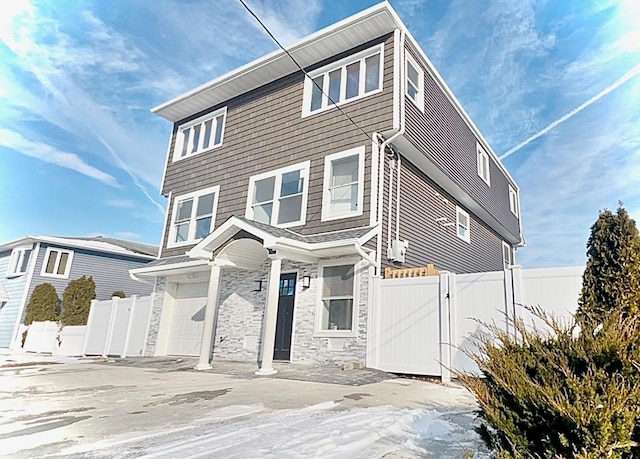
(284, 325)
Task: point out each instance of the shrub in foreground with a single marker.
(76, 301)
(560, 394)
(43, 304)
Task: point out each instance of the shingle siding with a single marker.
(265, 131)
(15, 290)
(110, 273)
(441, 134)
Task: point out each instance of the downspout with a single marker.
(399, 165)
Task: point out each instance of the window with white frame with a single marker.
(343, 185)
(508, 255)
(351, 78)
(337, 298)
(415, 82)
(19, 261)
(483, 164)
(279, 197)
(513, 200)
(57, 263)
(199, 135)
(463, 225)
(193, 217)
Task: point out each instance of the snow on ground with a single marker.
(326, 430)
(18, 360)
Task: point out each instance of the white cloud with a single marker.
(121, 203)
(52, 155)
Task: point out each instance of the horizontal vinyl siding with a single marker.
(265, 131)
(442, 135)
(15, 289)
(110, 273)
(422, 202)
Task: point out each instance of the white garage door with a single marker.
(187, 319)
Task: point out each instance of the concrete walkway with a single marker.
(46, 409)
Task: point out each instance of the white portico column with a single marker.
(270, 319)
(209, 318)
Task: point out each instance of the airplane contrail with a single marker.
(622, 80)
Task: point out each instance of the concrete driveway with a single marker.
(163, 408)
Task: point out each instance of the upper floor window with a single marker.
(343, 189)
(463, 225)
(57, 263)
(508, 257)
(513, 200)
(279, 198)
(193, 217)
(483, 164)
(199, 135)
(415, 82)
(19, 262)
(348, 79)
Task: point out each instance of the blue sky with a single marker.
(553, 85)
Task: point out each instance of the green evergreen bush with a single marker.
(119, 294)
(76, 301)
(611, 279)
(43, 304)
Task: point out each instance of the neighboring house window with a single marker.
(349, 79)
(19, 262)
(343, 190)
(279, 198)
(57, 263)
(483, 164)
(513, 200)
(337, 298)
(508, 257)
(194, 215)
(463, 225)
(199, 135)
(415, 82)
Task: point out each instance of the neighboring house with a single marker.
(282, 206)
(28, 262)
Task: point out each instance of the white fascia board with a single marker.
(273, 57)
(103, 247)
(154, 271)
(17, 242)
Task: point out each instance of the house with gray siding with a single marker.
(289, 191)
(28, 262)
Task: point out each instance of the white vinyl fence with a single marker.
(420, 325)
(42, 337)
(118, 327)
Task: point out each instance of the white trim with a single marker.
(192, 221)
(318, 331)
(179, 143)
(94, 245)
(303, 167)
(513, 201)
(467, 236)
(397, 56)
(56, 265)
(17, 259)
(326, 195)
(484, 164)
(419, 100)
(373, 205)
(166, 225)
(17, 340)
(511, 256)
(342, 64)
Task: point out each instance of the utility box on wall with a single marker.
(397, 251)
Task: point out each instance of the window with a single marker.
(415, 82)
(194, 215)
(483, 164)
(463, 225)
(513, 200)
(348, 79)
(508, 255)
(199, 135)
(57, 263)
(279, 198)
(343, 191)
(337, 298)
(19, 262)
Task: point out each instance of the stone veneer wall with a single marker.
(241, 311)
(156, 314)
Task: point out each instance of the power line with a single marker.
(302, 70)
